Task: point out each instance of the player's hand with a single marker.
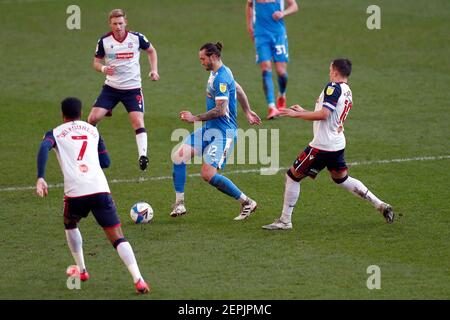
(253, 118)
(110, 70)
(289, 112)
(277, 15)
(187, 116)
(297, 108)
(41, 187)
(154, 75)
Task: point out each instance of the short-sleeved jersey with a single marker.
(221, 86)
(263, 23)
(124, 56)
(76, 145)
(329, 133)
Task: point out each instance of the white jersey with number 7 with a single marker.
(77, 153)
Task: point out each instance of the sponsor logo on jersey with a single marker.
(223, 87)
(330, 90)
(83, 168)
(125, 55)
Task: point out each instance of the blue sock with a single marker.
(179, 176)
(268, 87)
(225, 185)
(282, 83)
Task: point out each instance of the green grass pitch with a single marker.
(400, 84)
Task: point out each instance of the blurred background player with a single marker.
(327, 147)
(82, 155)
(265, 24)
(214, 140)
(120, 51)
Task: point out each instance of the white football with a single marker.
(141, 212)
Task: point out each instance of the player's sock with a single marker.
(282, 83)
(242, 198)
(268, 87)
(179, 196)
(291, 194)
(141, 141)
(126, 253)
(75, 242)
(225, 185)
(359, 189)
(179, 177)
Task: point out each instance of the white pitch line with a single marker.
(143, 179)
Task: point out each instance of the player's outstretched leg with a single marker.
(360, 190)
(291, 195)
(126, 253)
(75, 242)
(225, 185)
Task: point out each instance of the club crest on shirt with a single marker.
(223, 87)
(330, 90)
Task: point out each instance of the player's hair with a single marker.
(116, 13)
(212, 48)
(71, 108)
(343, 66)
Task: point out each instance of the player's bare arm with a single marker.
(291, 7)
(252, 117)
(218, 111)
(153, 59)
(249, 18)
(101, 67)
(298, 112)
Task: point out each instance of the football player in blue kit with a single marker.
(215, 138)
(265, 24)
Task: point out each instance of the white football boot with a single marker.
(247, 208)
(178, 209)
(278, 224)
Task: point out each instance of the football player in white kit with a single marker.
(117, 56)
(327, 147)
(81, 155)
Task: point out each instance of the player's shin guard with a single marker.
(126, 253)
(141, 141)
(291, 195)
(225, 185)
(179, 177)
(268, 87)
(75, 242)
(282, 83)
(359, 189)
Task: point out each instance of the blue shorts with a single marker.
(214, 144)
(272, 47)
(101, 205)
(133, 99)
(311, 161)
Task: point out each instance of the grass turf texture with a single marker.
(399, 84)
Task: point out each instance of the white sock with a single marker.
(127, 255)
(242, 198)
(359, 189)
(179, 196)
(291, 194)
(141, 141)
(75, 243)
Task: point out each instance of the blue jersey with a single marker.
(221, 86)
(263, 23)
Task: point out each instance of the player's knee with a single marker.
(206, 175)
(291, 175)
(340, 179)
(180, 156)
(281, 70)
(266, 66)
